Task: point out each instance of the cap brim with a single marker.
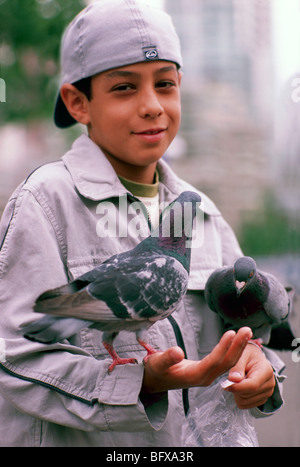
(62, 118)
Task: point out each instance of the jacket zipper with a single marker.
(180, 343)
(49, 386)
(174, 324)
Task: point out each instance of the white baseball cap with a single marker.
(110, 34)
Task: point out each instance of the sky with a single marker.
(286, 38)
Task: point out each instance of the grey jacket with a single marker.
(61, 394)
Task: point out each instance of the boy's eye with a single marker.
(165, 84)
(128, 87)
(123, 87)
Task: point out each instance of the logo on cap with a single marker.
(151, 54)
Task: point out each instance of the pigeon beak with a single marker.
(239, 286)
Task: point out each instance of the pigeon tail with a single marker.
(51, 329)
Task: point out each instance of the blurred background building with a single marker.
(239, 140)
(227, 99)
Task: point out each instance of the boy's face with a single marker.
(134, 114)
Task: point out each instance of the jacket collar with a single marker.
(95, 178)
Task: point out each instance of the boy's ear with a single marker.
(76, 103)
(180, 74)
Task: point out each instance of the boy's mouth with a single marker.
(151, 132)
(151, 136)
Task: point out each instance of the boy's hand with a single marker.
(254, 377)
(170, 370)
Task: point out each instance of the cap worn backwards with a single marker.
(111, 34)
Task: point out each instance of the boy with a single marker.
(121, 78)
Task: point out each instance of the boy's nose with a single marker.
(150, 106)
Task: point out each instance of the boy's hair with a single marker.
(85, 86)
(110, 34)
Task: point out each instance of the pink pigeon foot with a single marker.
(150, 350)
(116, 359)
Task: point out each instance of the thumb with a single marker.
(158, 370)
(237, 372)
(169, 358)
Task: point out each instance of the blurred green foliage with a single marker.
(30, 36)
(271, 230)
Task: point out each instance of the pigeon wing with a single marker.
(156, 290)
(277, 303)
(220, 293)
(210, 288)
(143, 289)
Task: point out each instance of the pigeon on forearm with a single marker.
(129, 291)
(245, 296)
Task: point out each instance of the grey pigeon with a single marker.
(245, 296)
(130, 291)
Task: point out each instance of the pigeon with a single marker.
(245, 296)
(129, 291)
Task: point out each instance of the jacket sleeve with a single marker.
(231, 251)
(60, 383)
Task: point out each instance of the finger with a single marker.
(238, 371)
(164, 360)
(252, 398)
(258, 385)
(233, 352)
(226, 353)
(254, 383)
(214, 359)
(250, 403)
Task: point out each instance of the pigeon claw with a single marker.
(120, 361)
(150, 350)
(116, 359)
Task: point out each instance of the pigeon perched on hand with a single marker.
(245, 296)
(130, 291)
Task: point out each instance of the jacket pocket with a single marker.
(77, 267)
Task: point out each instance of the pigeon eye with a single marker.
(251, 274)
